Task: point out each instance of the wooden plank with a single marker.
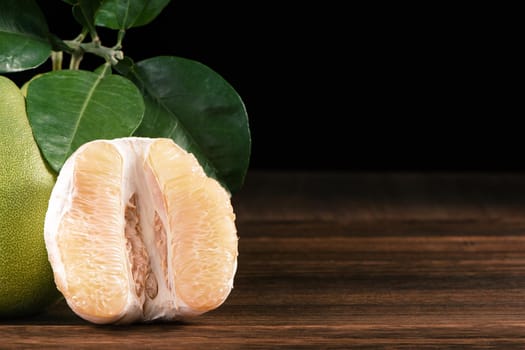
(339, 261)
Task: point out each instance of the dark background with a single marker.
(360, 88)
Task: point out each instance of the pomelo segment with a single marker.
(136, 231)
(203, 257)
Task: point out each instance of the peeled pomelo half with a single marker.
(136, 231)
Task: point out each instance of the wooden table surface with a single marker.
(348, 260)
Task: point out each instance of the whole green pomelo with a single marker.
(26, 278)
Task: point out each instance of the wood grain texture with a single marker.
(348, 260)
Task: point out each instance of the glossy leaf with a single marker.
(84, 12)
(23, 36)
(68, 108)
(192, 104)
(103, 70)
(117, 14)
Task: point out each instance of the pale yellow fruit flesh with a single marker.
(201, 222)
(90, 239)
(180, 259)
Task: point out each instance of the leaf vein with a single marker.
(82, 112)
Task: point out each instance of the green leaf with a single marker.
(190, 103)
(118, 14)
(70, 107)
(23, 36)
(124, 66)
(103, 70)
(84, 13)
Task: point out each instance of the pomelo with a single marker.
(26, 278)
(136, 231)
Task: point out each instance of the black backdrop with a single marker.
(349, 88)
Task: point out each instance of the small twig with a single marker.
(56, 60)
(110, 54)
(76, 57)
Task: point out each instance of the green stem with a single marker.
(120, 38)
(56, 60)
(80, 38)
(110, 54)
(76, 57)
